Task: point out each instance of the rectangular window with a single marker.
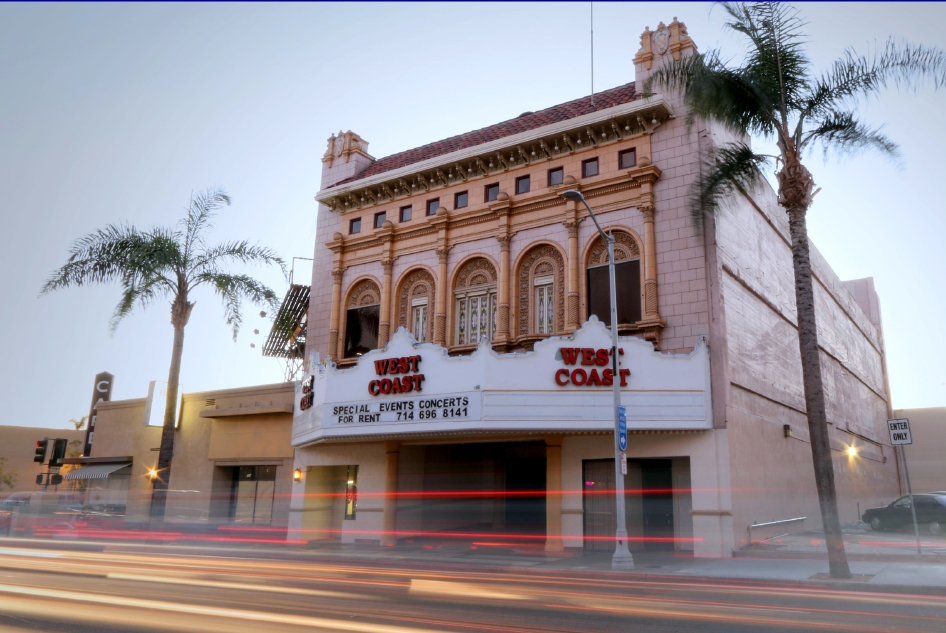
(476, 317)
(419, 320)
(589, 168)
(379, 219)
(460, 200)
(405, 214)
(354, 226)
(351, 493)
(492, 192)
(627, 279)
(544, 305)
(361, 330)
(627, 158)
(556, 176)
(432, 206)
(522, 185)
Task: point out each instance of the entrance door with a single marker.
(648, 504)
(657, 503)
(598, 504)
(251, 496)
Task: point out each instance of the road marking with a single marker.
(32, 553)
(217, 612)
(459, 589)
(233, 585)
(766, 609)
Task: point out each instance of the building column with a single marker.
(571, 290)
(336, 312)
(440, 309)
(553, 494)
(651, 313)
(384, 323)
(502, 310)
(392, 459)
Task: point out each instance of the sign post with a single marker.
(900, 436)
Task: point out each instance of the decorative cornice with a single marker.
(539, 145)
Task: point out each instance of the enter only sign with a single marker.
(899, 431)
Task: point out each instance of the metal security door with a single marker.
(598, 504)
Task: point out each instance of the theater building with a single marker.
(458, 377)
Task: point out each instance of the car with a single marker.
(930, 512)
(16, 503)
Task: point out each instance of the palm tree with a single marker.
(773, 95)
(169, 263)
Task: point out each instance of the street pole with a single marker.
(906, 471)
(622, 558)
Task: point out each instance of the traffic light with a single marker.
(59, 452)
(40, 454)
(55, 479)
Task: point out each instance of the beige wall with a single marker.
(119, 432)
(18, 445)
(926, 457)
(254, 427)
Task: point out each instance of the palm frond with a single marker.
(904, 65)
(236, 251)
(725, 169)
(233, 290)
(200, 212)
(841, 132)
(713, 91)
(775, 61)
(98, 257)
(138, 293)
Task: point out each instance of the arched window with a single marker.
(416, 303)
(541, 291)
(474, 294)
(627, 274)
(361, 318)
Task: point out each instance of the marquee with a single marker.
(564, 384)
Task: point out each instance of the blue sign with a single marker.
(622, 429)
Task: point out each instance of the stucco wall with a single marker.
(120, 431)
(202, 446)
(773, 474)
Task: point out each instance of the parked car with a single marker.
(10, 507)
(930, 512)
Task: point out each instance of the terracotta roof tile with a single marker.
(561, 112)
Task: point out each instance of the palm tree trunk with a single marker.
(159, 493)
(814, 393)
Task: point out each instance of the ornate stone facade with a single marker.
(416, 284)
(364, 293)
(541, 260)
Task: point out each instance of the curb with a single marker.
(862, 558)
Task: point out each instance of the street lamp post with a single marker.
(622, 558)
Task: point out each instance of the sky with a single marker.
(114, 113)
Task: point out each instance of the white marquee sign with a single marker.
(565, 384)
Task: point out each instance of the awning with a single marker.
(97, 471)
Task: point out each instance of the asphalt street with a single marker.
(206, 591)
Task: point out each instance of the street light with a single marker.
(622, 558)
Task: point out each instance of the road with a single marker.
(178, 589)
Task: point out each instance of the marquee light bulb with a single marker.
(852, 451)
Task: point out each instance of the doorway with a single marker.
(331, 497)
(251, 494)
(649, 503)
(484, 488)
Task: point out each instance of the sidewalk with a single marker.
(798, 560)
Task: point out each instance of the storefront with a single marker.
(411, 443)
